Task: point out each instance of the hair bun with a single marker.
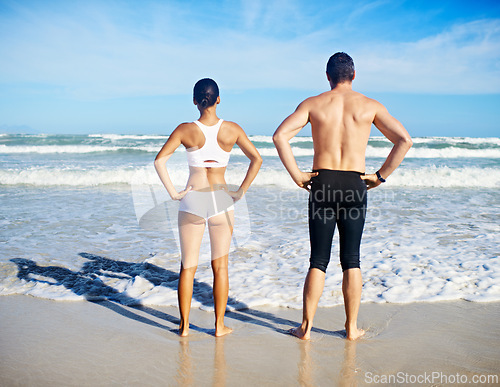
(206, 92)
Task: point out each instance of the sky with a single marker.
(77, 67)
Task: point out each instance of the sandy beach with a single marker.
(77, 226)
(85, 343)
(108, 143)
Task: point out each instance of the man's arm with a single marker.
(288, 129)
(395, 132)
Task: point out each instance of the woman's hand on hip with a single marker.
(236, 195)
(182, 193)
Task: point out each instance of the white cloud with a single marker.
(362, 9)
(99, 58)
(464, 59)
(95, 56)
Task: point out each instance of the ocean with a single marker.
(86, 217)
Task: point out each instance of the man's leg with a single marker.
(322, 221)
(351, 222)
(313, 288)
(351, 288)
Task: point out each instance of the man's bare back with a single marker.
(341, 121)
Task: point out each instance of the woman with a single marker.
(206, 199)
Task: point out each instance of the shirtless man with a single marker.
(341, 121)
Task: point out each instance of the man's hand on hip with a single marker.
(304, 179)
(371, 180)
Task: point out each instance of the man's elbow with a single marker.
(403, 141)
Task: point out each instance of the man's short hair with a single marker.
(340, 68)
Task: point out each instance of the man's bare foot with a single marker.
(300, 333)
(222, 331)
(353, 334)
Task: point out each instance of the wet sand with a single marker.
(58, 343)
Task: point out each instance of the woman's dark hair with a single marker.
(205, 92)
(340, 68)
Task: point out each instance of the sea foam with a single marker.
(86, 217)
(431, 176)
(418, 245)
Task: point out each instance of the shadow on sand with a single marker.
(87, 283)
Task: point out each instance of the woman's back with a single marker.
(208, 148)
(208, 142)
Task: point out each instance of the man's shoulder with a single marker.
(366, 101)
(321, 96)
(328, 98)
(332, 97)
(365, 97)
(314, 100)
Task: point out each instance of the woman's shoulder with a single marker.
(185, 127)
(231, 126)
(230, 132)
(185, 131)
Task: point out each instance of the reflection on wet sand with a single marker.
(306, 377)
(219, 363)
(307, 368)
(347, 375)
(185, 368)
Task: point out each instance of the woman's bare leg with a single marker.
(220, 228)
(184, 295)
(191, 228)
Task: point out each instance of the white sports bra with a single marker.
(210, 154)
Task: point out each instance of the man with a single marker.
(341, 121)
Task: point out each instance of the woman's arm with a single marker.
(173, 142)
(248, 148)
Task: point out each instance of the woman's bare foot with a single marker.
(300, 333)
(222, 331)
(183, 329)
(354, 333)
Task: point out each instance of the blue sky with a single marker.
(130, 66)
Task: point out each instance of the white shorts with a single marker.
(206, 204)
